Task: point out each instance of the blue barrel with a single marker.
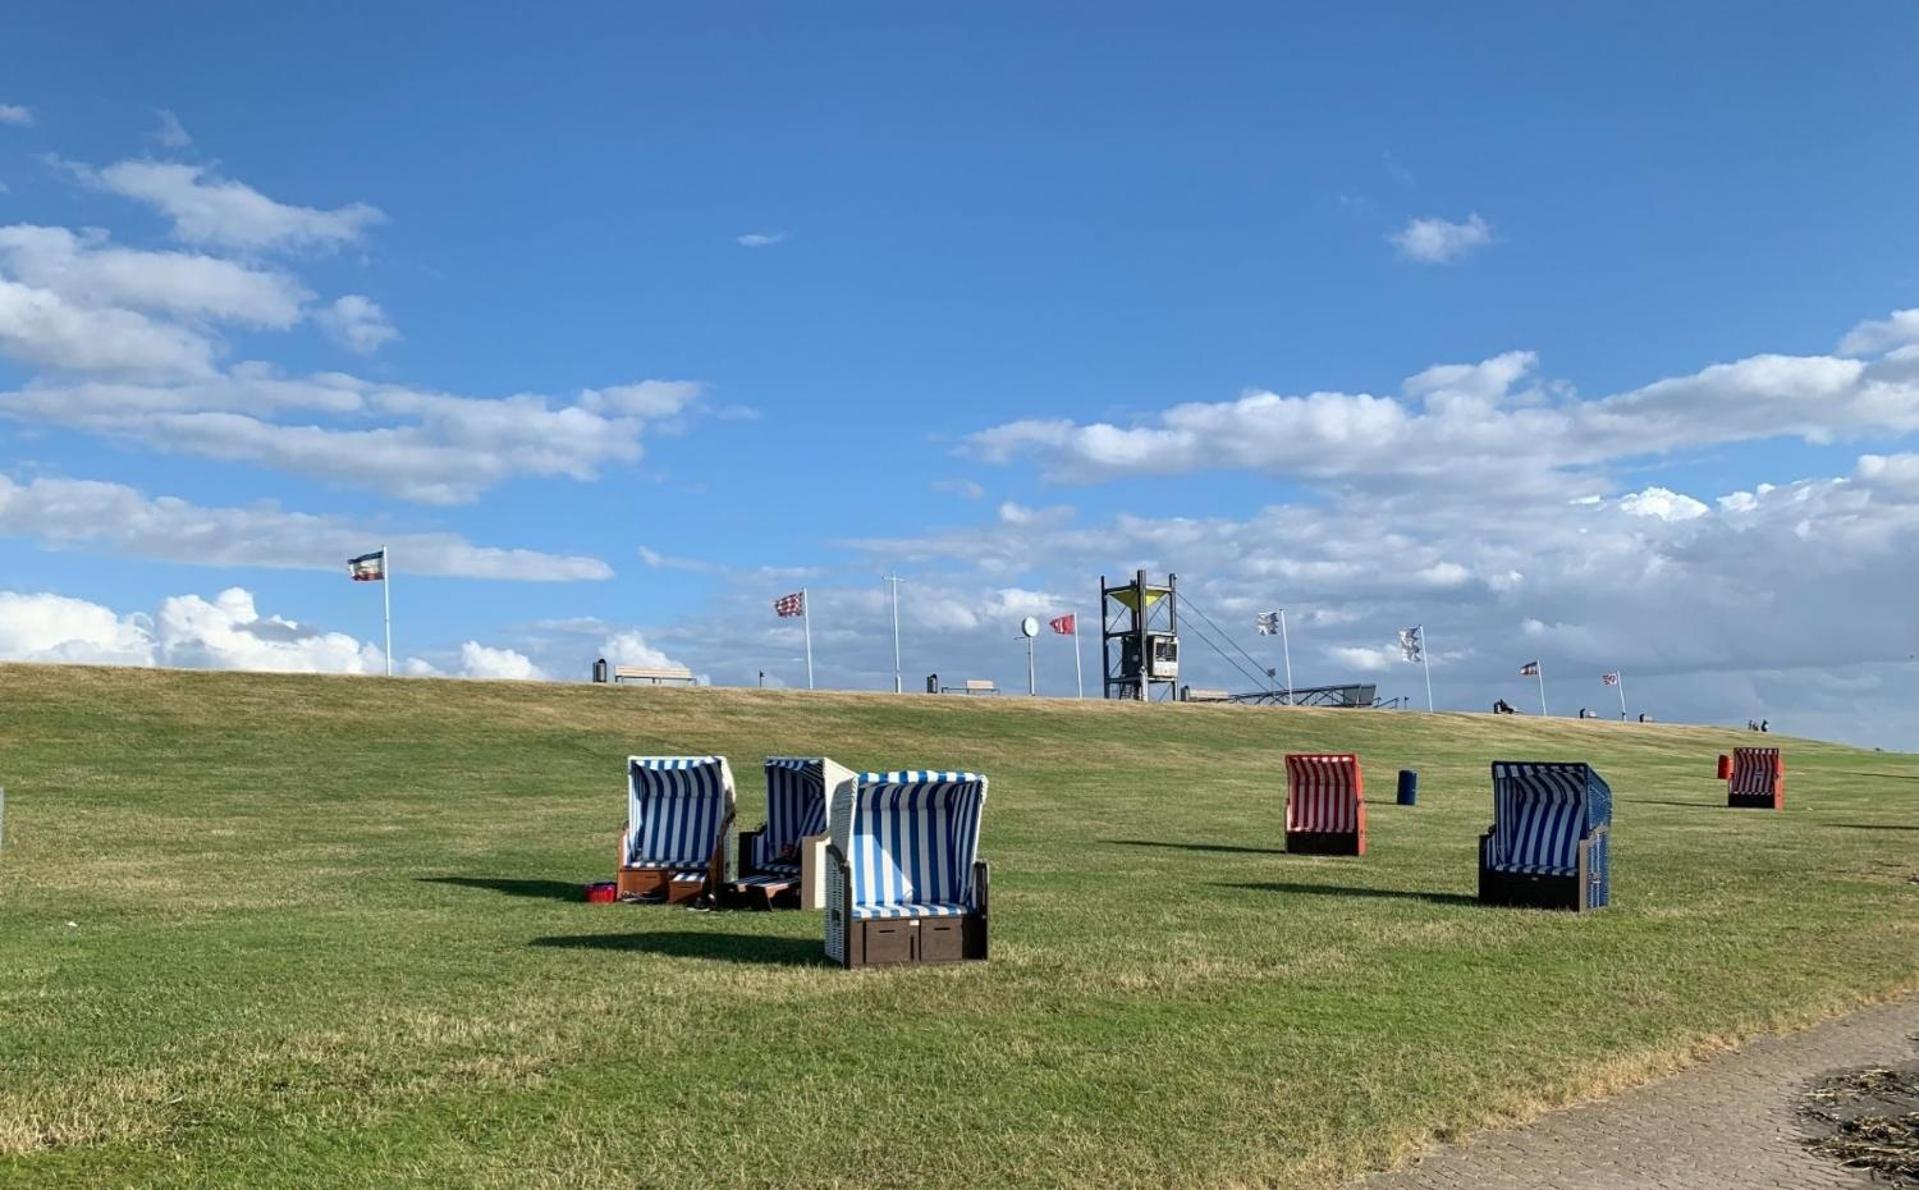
(1408, 787)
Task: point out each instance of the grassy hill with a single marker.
(296, 930)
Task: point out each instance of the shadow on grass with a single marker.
(1655, 801)
(1221, 847)
(701, 944)
(1342, 890)
(1870, 826)
(550, 890)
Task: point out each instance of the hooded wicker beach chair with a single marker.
(1549, 842)
(678, 811)
(770, 863)
(905, 883)
(1325, 804)
(1758, 779)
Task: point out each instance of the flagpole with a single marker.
(1621, 683)
(1286, 648)
(1425, 663)
(386, 599)
(893, 580)
(1539, 671)
(1032, 676)
(1079, 674)
(806, 624)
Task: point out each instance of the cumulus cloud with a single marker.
(631, 648)
(357, 323)
(208, 209)
(1900, 329)
(225, 632)
(483, 661)
(430, 447)
(1432, 240)
(46, 627)
(1492, 425)
(16, 115)
(760, 239)
(115, 518)
(1717, 609)
(87, 269)
(39, 327)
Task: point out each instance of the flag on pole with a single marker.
(1611, 679)
(367, 568)
(1267, 623)
(787, 606)
(1411, 646)
(1529, 670)
(1065, 625)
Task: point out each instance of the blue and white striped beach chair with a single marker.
(678, 812)
(770, 860)
(905, 883)
(1549, 842)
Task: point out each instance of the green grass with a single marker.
(286, 930)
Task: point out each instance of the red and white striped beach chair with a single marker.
(1325, 804)
(1758, 779)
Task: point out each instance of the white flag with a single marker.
(1267, 623)
(1411, 647)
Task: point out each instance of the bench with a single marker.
(972, 686)
(654, 675)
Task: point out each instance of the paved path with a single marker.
(1727, 1123)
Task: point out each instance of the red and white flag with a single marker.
(367, 568)
(790, 605)
(1529, 670)
(1065, 625)
(1611, 679)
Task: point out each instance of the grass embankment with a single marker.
(284, 930)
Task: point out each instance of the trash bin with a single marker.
(1725, 767)
(1408, 787)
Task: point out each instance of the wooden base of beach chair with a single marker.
(1587, 889)
(898, 941)
(642, 882)
(1776, 800)
(1326, 842)
(772, 893)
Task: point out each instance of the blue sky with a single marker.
(975, 219)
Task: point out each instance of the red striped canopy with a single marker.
(1324, 792)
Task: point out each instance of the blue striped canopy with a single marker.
(1541, 811)
(796, 796)
(910, 839)
(676, 808)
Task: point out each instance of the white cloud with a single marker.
(228, 632)
(1489, 426)
(1718, 611)
(430, 447)
(631, 648)
(114, 518)
(357, 323)
(1873, 338)
(659, 561)
(1663, 504)
(208, 209)
(482, 661)
(760, 239)
(46, 627)
(16, 115)
(39, 327)
(171, 134)
(1432, 240)
(88, 270)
